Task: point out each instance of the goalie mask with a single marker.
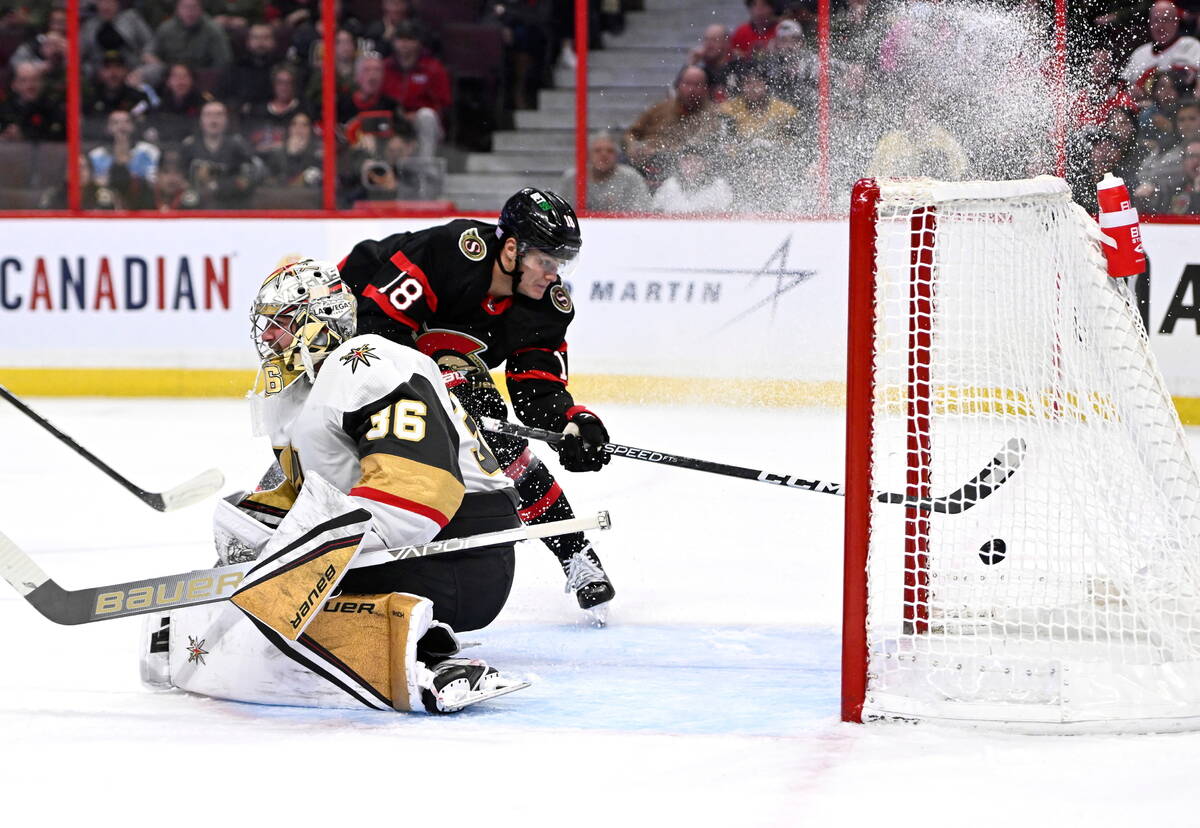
(302, 313)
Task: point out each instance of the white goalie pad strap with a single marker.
(304, 560)
(233, 529)
(358, 655)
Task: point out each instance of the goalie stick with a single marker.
(205, 586)
(185, 494)
(1001, 467)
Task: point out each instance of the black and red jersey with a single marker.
(429, 289)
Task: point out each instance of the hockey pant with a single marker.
(542, 499)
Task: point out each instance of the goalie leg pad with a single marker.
(359, 651)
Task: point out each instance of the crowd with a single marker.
(740, 130)
(217, 104)
(191, 104)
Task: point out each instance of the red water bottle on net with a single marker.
(1119, 222)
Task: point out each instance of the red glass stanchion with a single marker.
(74, 113)
(823, 105)
(581, 103)
(328, 105)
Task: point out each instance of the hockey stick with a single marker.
(185, 494)
(987, 480)
(204, 586)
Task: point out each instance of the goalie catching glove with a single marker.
(582, 446)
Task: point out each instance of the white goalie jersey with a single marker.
(379, 425)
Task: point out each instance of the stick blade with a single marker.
(991, 477)
(200, 487)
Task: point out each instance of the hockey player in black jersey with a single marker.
(473, 295)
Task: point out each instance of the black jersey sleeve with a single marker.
(536, 372)
(390, 279)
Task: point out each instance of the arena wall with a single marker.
(738, 312)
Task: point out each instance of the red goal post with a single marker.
(1069, 600)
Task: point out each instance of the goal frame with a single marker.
(911, 370)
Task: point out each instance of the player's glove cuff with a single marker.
(582, 447)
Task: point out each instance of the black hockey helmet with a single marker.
(541, 220)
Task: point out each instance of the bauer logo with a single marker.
(114, 283)
(188, 590)
(324, 582)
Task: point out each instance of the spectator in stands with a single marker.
(48, 48)
(1121, 130)
(1159, 111)
(250, 79)
(612, 187)
(1168, 49)
(693, 187)
(266, 124)
(901, 151)
(92, 196)
(220, 168)
(125, 164)
(368, 95)
(171, 189)
(344, 57)
(29, 113)
(1103, 91)
(236, 15)
(393, 15)
(714, 56)
(790, 69)
(179, 106)
(191, 37)
(420, 84)
(297, 162)
(1185, 199)
(1161, 175)
(755, 114)
(666, 127)
(111, 92)
(754, 35)
(112, 29)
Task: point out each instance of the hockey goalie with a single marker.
(375, 454)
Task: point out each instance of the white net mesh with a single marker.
(1071, 594)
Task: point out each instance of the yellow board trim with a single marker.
(593, 388)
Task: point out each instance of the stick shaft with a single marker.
(205, 586)
(990, 477)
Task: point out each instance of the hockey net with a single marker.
(1068, 600)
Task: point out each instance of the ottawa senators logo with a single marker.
(561, 299)
(471, 245)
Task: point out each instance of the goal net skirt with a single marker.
(1068, 599)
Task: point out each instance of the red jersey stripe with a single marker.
(536, 510)
(406, 264)
(387, 307)
(400, 503)
(542, 375)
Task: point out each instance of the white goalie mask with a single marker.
(302, 313)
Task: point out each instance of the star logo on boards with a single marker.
(362, 355)
(196, 651)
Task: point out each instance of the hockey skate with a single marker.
(587, 579)
(461, 682)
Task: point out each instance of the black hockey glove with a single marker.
(582, 446)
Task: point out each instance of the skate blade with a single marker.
(598, 615)
(485, 695)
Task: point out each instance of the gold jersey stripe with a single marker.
(411, 480)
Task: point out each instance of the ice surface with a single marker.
(711, 699)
